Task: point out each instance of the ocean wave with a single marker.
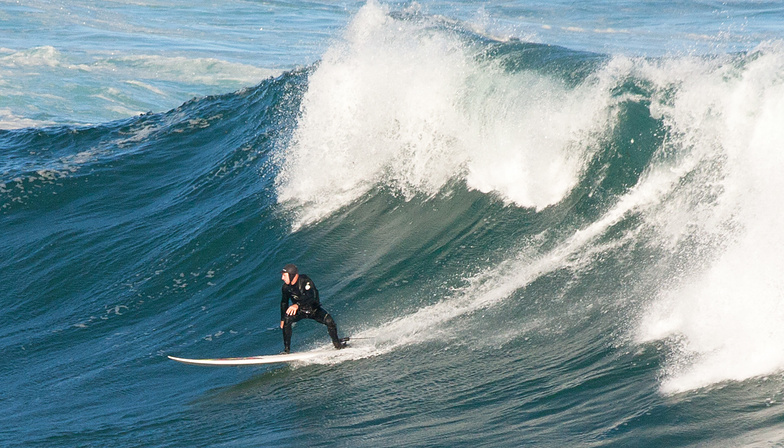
(555, 234)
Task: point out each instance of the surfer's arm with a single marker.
(284, 304)
(285, 309)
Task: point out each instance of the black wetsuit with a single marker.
(304, 294)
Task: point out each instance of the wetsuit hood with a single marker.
(291, 270)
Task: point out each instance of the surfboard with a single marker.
(255, 360)
(258, 360)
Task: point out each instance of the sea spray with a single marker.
(726, 315)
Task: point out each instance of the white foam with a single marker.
(45, 56)
(727, 318)
(10, 121)
(44, 85)
(200, 71)
(409, 107)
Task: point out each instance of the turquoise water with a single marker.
(543, 225)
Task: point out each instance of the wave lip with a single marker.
(408, 105)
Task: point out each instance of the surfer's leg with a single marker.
(287, 322)
(286, 335)
(322, 316)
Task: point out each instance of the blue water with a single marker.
(544, 223)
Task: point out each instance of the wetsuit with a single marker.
(304, 293)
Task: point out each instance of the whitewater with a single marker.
(542, 224)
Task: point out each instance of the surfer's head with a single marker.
(289, 274)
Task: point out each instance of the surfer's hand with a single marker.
(292, 310)
(281, 324)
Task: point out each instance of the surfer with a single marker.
(304, 296)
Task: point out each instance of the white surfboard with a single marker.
(266, 359)
(256, 360)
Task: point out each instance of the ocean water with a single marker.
(543, 223)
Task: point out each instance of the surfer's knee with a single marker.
(329, 321)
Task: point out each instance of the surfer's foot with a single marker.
(286, 351)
